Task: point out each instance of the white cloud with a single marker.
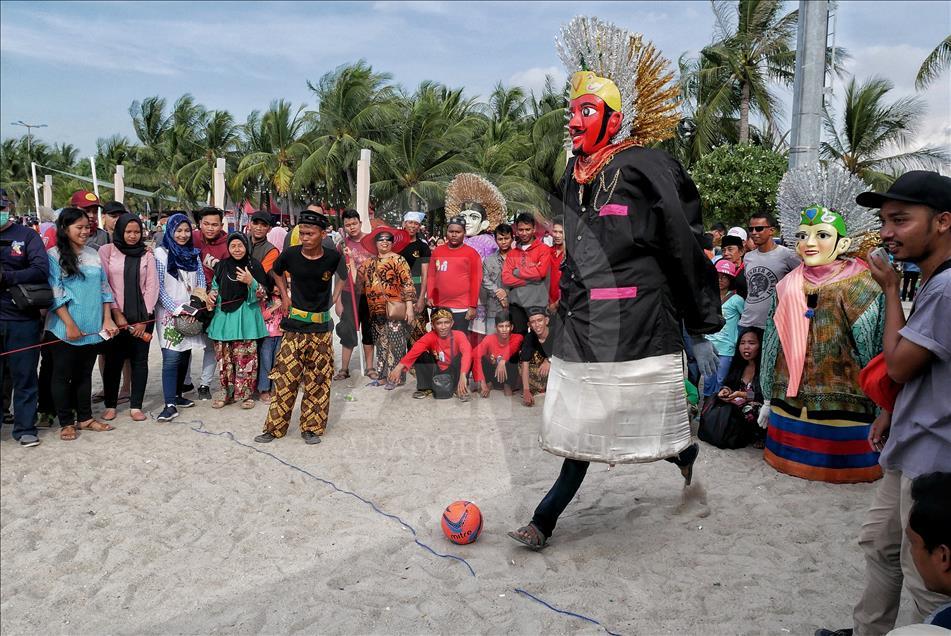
(533, 79)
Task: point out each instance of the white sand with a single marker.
(155, 528)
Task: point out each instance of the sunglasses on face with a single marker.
(759, 228)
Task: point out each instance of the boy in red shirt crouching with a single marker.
(442, 359)
(495, 360)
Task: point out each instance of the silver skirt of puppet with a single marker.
(616, 412)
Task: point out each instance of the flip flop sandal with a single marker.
(68, 433)
(247, 404)
(342, 374)
(530, 536)
(95, 425)
(218, 404)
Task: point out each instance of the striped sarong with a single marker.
(831, 450)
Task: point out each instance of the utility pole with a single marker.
(809, 83)
(29, 134)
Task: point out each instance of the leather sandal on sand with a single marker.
(68, 433)
(95, 425)
(342, 374)
(530, 536)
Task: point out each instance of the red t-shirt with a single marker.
(211, 252)
(442, 350)
(491, 348)
(455, 275)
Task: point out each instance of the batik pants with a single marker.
(304, 360)
(537, 383)
(390, 337)
(237, 368)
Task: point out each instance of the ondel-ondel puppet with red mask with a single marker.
(634, 274)
(827, 323)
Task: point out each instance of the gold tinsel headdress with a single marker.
(649, 98)
(471, 188)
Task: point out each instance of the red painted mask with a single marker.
(592, 124)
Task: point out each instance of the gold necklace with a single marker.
(602, 186)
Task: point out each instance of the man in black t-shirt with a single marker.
(535, 358)
(417, 255)
(306, 355)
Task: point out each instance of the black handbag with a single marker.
(32, 296)
(723, 425)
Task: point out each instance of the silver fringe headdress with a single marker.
(649, 98)
(831, 187)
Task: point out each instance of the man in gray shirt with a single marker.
(765, 266)
(916, 438)
(494, 295)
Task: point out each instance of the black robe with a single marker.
(637, 250)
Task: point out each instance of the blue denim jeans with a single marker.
(21, 367)
(174, 370)
(266, 352)
(713, 382)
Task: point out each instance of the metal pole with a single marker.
(809, 82)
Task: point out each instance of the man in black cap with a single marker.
(110, 214)
(916, 439)
(261, 248)
(306, 356)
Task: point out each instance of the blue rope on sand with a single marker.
(566, 612)
(201, 429)
(373, 506)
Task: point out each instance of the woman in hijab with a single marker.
(180, 274)
(133, 278)
(239, 284)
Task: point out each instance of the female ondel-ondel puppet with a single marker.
(827, 323)
(634, 274)
(481, 204)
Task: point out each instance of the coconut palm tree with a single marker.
(872, 138)
(217, 137)
(279, 152)
(430, 139)
(754, 47)
(935, 64)
(356, 108)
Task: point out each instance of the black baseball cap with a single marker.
(263, 216)
(313, 218)
(114, 208)
(924, 187)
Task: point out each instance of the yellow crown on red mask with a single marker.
(589, 83)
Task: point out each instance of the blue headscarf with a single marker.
(184, 257)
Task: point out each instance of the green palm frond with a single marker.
(934, 65)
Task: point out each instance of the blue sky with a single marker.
(77, 66)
